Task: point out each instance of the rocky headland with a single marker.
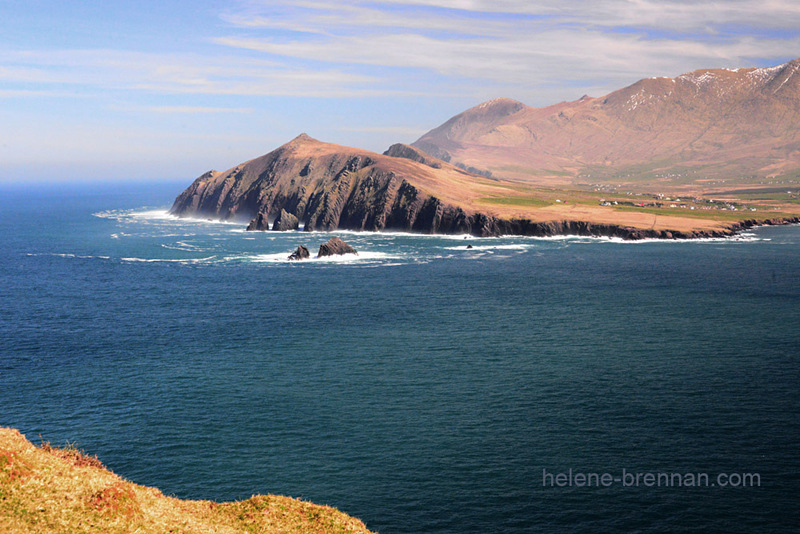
(725, 139)
(328, 187)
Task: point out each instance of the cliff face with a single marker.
(327, 187)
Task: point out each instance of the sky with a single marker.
(166, 90)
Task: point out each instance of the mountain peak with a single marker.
(302, 139)
(743, 121)
(498, 107)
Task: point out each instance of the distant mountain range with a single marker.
(702, 125)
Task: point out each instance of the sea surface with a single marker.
(420, 386)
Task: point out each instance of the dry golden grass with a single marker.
(509, 199)
(46, 490)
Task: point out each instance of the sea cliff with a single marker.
(325, 187)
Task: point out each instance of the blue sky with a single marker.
(146, 90)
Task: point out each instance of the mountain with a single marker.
(741, 124)
(50, 490)
(328, 186)
(323, 186)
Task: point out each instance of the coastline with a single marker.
(481, 225)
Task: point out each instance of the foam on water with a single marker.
(226, 242)
(515, 246)
(144, 214)
(169, 260)
(68, 255)
(282, 257)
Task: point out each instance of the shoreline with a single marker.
(480, 225)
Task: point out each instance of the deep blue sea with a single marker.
(422, 387)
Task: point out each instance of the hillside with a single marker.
(326, 186)
(47, 491)
(323, 186)
(698, 132)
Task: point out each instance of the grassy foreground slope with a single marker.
(47, 490)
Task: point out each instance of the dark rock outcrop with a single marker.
(286, 221)
(258, 223)
(300, 254)
(399, 150)
(335, 246)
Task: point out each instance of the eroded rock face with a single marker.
(399, 150)
(327, 187)
(285, 222)
(259, 223)
(335, 246)
(300, 254)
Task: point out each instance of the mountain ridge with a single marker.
(735, 120)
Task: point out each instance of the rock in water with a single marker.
(259, 223)
(300, 254)
(286, 221)
(335, 246)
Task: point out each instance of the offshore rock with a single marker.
(335, 246)
(258, 223)
(300, 254)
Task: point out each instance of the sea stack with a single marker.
(300, 254)
(335, 246)
(285, 222)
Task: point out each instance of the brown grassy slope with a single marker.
(313, 166)
(46, 490)
(718, 122)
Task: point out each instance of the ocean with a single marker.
(420, 386)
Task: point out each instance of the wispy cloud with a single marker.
(403, 131)
(528, 47)
(534, 51)
(196, 109)
(684, 15)
(356, 72)
(180, 74)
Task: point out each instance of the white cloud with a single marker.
(531, 50)
(179, 74)
(196, 109)
(524, 48)
(404, 131)
(665, 14)
(683, 15)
